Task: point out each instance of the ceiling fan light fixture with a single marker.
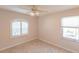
(37, 13)
(32, 14)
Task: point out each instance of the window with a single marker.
(19, 28)
(24, 27)
(70, 27)
(16, 28)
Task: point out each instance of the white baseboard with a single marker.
(70, 50)
(7, 47)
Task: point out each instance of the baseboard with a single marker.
(70, 50)
(17, 44)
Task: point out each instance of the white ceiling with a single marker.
(25, 9)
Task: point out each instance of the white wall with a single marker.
(5, 37)
(49, 30)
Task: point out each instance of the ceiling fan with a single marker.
(35, 11)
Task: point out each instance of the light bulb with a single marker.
(37, 13)
(32, 14)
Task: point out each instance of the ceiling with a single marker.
(25, 9)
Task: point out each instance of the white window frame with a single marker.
(19, 20)
(69, 27)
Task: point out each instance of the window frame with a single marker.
(61, 29)
(18, 20)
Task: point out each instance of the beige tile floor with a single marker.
(35, 46)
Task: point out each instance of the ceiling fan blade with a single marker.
(16, 9)
(41, 10)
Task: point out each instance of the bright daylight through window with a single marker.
(19, 28)
(70, 27)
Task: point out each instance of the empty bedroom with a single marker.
(39, 28)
